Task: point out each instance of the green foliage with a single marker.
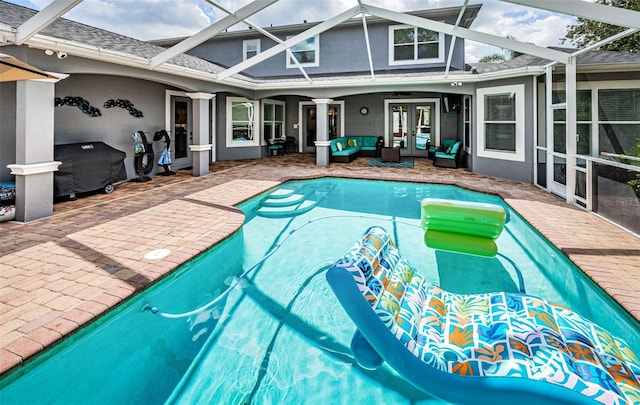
(587, 32)
(507, 54)
(493, 58)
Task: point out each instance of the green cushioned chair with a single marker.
(450, 157)
(444, 144)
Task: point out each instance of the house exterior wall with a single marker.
(115, 125)
(222, 151)
(342, 50)
(514, 170)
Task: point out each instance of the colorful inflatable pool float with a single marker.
(484, 348)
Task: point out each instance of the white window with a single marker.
(273, 119)
(501, 122)
(250, 48)
(242, 122)
(413, 45)
(306, 52)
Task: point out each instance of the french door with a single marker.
(308, 127)
(413, 126)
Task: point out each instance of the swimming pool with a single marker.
(282, 337)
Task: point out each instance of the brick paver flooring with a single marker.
(59, 273)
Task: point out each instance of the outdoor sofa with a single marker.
(347, 148)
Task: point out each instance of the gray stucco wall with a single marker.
(519, 171)
(7, 129)
(222, 152)
(115, 125)
(342, 49)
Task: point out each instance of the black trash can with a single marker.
(86, 167)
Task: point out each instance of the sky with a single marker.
(156, 19)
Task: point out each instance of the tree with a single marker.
(507, 54)
(586, 32)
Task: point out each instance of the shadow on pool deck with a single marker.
(62, 272)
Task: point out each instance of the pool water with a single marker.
(281, 336)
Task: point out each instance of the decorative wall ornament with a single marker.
(364, 110)
(126, 104)
(79, 102)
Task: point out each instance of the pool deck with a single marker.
(60, 273)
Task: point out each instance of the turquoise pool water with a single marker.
(281, 336)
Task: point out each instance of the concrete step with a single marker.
(287, 211)
(293, 199)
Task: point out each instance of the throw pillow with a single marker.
(339, 146)
(351, 143)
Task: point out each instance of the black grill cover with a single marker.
(87, 167)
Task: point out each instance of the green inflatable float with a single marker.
(462, 226)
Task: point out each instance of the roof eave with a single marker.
(381, 81)
(123, 59)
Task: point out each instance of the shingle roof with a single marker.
(14, 16)
(589, 58)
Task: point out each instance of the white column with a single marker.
(34, 165)
(322, 130)
(201, 148)
(549, 125)
(572, 130)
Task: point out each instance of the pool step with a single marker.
(288, 210)
(281, 193)
(292, 199)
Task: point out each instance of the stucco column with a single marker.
(201, 148)
(322, 130)
(34, 165)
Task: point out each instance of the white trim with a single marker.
(167, 106)
(599, 85)
(415, 60)
(200, 148)
(200, 96)
(519, 154)
(34, 168)
(316, 50)
(245, 43)
(257, 131)
(436, 124)
(284, 116)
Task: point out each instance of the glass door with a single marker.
(559, 145)
(182, 131)
(412, 127)
(309, 125)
